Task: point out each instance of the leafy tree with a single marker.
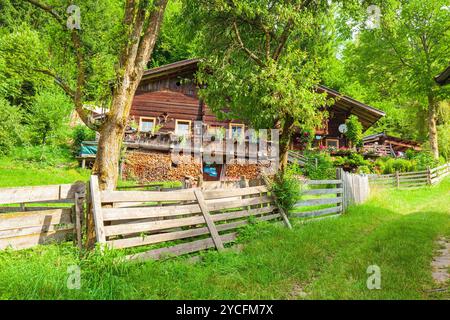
(171, 45)
(10, 127)
(47, 117)
(100, 57)
(354, 130)
(406, 52)
(261, 61)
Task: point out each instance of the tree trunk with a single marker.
(285, 142)
(133, 59)
(432, 129)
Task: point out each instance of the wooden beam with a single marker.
(97, 210)
(210, 224)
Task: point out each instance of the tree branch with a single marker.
(58, 80)
(150, 36)
(47, 9)
(242, 46)
(283, 39)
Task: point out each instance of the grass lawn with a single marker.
(14, 173)
(396, 230)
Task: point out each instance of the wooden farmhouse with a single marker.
(167, 106)
(382, 144)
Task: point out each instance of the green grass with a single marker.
(327, 259)
(44, 165)
(14, 174)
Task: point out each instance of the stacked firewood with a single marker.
(249, 171)
(149, 167)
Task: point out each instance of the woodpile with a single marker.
(249, 171)
(152, 166)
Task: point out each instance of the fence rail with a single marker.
(411, 179)
(36, 215)
(201, 218)
(331, 197)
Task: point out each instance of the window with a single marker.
(332, 143)
(237, 130)
(147, 124)
(183, 127)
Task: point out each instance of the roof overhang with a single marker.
(178, 67)
(444, 77)
(366, 114)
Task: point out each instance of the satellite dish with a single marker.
(343, 128)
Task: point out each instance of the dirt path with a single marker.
(441, 262)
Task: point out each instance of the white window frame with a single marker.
(331, 139)
(147, 118)
(183, 121)
(231, 125)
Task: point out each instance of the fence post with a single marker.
(397, 179)
(429, 175)
(339, 176)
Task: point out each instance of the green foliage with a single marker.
(393, 67)
(286, 188)
(444, 140)
(396, 228)
(48, 117)
(319, 166)
(11, 130)
(353, 160)
(260, 84)
(79, 134)
(43, 155)
(354, 130)
(400, 165)
(422, 159)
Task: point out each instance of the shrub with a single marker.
(11, 132)
(354, 130)
(44, 155)
(325, 168)
(79, 134)
(401, 165)
(286, 188)
(48, 117)
(422, 159)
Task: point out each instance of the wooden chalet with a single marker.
(443, 78)
(167, 99)
(167, 105)
(382, 144)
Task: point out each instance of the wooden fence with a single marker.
(411, 179)
(201, 219)
(38, 215)
(331, 197)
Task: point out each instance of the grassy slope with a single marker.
(22, 173)
(396, 230)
